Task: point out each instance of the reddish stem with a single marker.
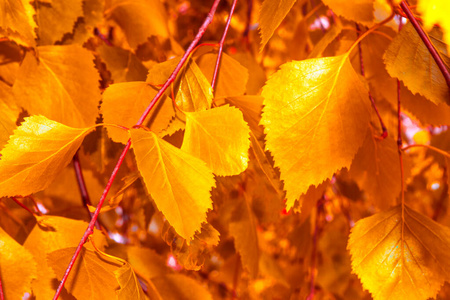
(222, 40)
(384, 132)
(172, 77)
(22, 205)
(426, 40)
(2, 297)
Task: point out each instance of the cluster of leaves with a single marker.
(247, 187)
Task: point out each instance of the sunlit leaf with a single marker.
(436, 12)
(178, 182)
(400, 255)
(8, 114)
(315, 118)
(270, 17)
(360, 11)
(178, 286)
(94, 277)
(207, 138)
(17, 21)
(18, 267)
(409, 60)
(36, 154)
(129, 284)
(58, 86)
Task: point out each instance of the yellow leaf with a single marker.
(9, 113)
(194, 91)
(130, 287)
(251, 107)
(61, 85)
(270, 17)
(92, 276)
(360, 11)
(409, 60)
(232, 78)
(326, 40)
(178, 286)
(123, 104)
(147, 262)
(243, 228)
(436, 12)
(207, 137)
(179, 183)
(159, 73)
(315, 118)
(376, 169)
(17, 266)
(50, 234)
(17, 21)
(36, 154)
(57, 19)
(400, 259)
(139, 19)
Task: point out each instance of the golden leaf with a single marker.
(179, 183)
(36, 154)
(360, 11)
(8, 114)
(178, 286)
(17, 21)
(123, 104)
(18, 267)
(130, 287)
(400, 256)
(270, 17)
(59, 86)
(436, 12)
(409, 60)
(207, 137)
(315, 118)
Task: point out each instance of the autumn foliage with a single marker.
(257, 149)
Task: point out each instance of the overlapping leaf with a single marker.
(130, 287)
(360, 11)
(8, 114)
(207, 137)
(36, 154)
(409, 60)
(17, 21)
(270, 17)
(178, 182)
(178, 286)
(400, 255)
(58, 86)
(315, 117)
(17, 266)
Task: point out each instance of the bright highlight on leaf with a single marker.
(208, 137)
(37, 152)
(400, 259)
(178, 182)
(436, 12)
(315, 116)
(409, 60)
(17, 21)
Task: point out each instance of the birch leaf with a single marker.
(207, 138)
(130, 287)
(179, 183)
(400, 259)
(315, 118)
(37, 152)
(360, 11)
(58, 86)
(17, 21)
(436, 12)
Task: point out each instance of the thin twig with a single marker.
(23, 205)
(384, 132)
(222, 40)
(2, 297)
(446, 154)
(426, 40)
(171, 78)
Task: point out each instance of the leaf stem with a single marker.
(2, 297)
(426, 40)
(23, 206)
(384, 132)
(446, 154)
(222, 40)
(169, 81)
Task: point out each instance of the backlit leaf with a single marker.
(436, 12)
(129, 284)
(17, 21)
(398, 258)
(360, 11)
(58, 86)
(207, 138)
(178, 286)
(94, 277)
(37, 152)
(123, 104)
(315, 118)
(136, 21)
(17, 266)
(57, 19)
(8, 114)
(270, 17)
(409, 60)
(178, 182)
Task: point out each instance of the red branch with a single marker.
(171, 78)
(222, 40)
(22, 205)
(426, 40)
(2, 297)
